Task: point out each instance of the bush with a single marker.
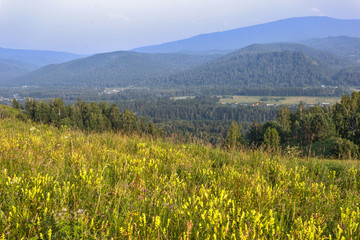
(343, 148)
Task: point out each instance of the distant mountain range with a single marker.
(268, 65)
(37, 58)
(12, 68)
(258, 65)
(15, 62)
(112, 69)
(287, 30)
(316, 58)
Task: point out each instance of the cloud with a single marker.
(316, 11)
(117, 16)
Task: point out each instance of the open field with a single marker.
(66, 184)
(279, 100)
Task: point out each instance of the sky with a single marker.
(93, 26)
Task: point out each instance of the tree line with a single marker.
(336, 129)
(87, 116)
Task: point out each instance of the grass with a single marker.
(279, 100)
(65, 184)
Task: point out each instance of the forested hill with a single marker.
(258, 65)
(349, 76)
(321, 56)
(12, 68)
(287, 30)
(348, 47)
(269, 69)
(111, 69)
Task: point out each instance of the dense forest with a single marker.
(87, 116)
(328, 131)
(201, 118)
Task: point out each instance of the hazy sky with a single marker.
(90, 26)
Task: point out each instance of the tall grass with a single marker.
(64, 184)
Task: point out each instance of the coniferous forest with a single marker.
(327, 131)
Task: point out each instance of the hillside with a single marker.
(349, 76)
(257, 65)
(323, 57)
(37, 58)
(348, 47)
(287, 30)
(268, 69)
(12, 68)
(60, 183)
(111, 69)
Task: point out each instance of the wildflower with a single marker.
(80, 210)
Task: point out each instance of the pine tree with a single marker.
(234, 138)
(272, 139)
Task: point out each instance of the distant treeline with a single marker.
(199, 108)
(327, 131)
(198, 118)
(87, 116)
(70, 96)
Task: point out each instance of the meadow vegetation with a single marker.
(58, 183)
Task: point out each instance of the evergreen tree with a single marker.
(255, 135)
(128, 121)
(115, 117)
(283, 117)
(15, 104)
(57, 111)
(234, 138)
(272, 139)
(346, 117)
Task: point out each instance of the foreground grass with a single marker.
(65, 184)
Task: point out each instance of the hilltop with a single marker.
(286, 30)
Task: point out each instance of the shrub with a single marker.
(343, 148)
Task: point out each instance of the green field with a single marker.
(67, 184)
(279, 100)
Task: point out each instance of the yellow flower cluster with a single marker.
(64, 184)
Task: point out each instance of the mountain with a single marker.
(348, 47)
(324, 58)
(287, 30)
(266, 69)
(349, 76)
(12, 68)
(111, 69)
(257, 65)
(37, 58)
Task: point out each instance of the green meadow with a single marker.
(59, 183)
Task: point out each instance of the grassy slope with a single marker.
(68, 184)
